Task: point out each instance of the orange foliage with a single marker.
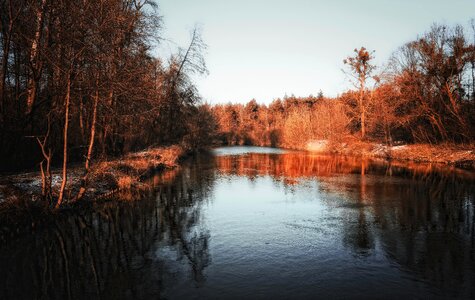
(289, 123)
(297, 165)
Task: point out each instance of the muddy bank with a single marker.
(461, 156)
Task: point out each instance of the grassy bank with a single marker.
(462, 156)
(23, 210)
(131, 171)
(107, 177)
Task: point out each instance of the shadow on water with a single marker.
(421, 218)
(109, 250)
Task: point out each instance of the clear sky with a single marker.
(264, 49)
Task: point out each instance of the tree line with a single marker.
(78, 80)
(425, 93)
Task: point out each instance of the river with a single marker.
(260, 223)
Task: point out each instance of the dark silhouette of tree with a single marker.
(78, 80)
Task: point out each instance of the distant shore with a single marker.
(460, 156)
(115, 177)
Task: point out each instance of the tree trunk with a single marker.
(82, 189)
(81, 121)
(6, 53)
(46, 175)
(34, 62)
(473, 81)
(65, 141)
(362, 108)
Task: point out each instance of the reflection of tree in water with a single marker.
(426, 224)
(294, 165)
(421, 215)
(358, 231)
(432, 231)
(180, 209)
(110, 250)
(422, 219)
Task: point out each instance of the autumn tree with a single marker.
(434, 76)
(361, 68)
(78, 81)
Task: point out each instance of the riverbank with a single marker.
(117, 177)
(461, 156)
(106, 177)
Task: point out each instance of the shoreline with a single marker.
(460, 156)
(127, 179)
(124, 180)
(111, 177)
(106, 178)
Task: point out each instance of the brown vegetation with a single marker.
(120, 177)
(295, 165)
(132, 169)
(78, 82)
(425, 95)
(288, 123)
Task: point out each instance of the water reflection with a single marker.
(258, 225)
(110, 250)
(301, 164)
(420, 216)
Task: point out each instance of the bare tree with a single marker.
(35, 62)
(45, 164)
(361, 69)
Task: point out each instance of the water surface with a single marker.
(260, 223)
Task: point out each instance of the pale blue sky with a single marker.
(264, 49)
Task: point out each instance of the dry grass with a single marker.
(122, 177)
(462, 156)
(130, 171)
(459, 155)
(125, 182)
(350, 145)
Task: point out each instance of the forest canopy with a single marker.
(425, 93)
(79, 79)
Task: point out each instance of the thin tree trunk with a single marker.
(45, 174)
(362, 108)
(82, 189)
(33, 81)
(6, 53)
(473, 81)
(43, 179)
(81, 121)
(65, 142)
